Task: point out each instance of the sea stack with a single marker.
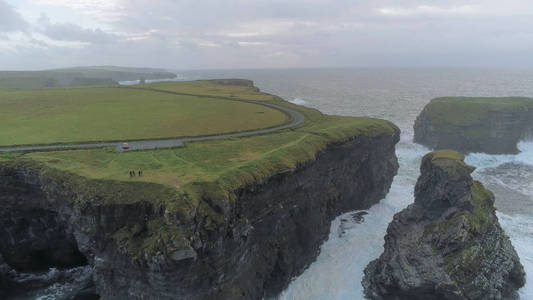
(448, 244)
(468, 124)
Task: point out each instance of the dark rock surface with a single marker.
(488, 125)
(270, 232)
(448, 244)
(6, 281)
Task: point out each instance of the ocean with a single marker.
(397, 95)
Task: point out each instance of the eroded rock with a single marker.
(448, 244)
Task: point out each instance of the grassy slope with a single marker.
(116, 69)
(104, 114)
(215, 168)
(120, 73)
(27, 83)
(30, 80)
(73, 76)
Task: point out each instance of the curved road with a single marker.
(297, 119)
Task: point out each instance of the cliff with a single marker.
(245, 245)
(490, 125)
(448, 244)
(235, 81)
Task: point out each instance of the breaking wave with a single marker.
(298, 101)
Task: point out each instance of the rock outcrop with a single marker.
(448, 244)
(489, 125)
(245, 247)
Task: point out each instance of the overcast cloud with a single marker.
(188, 34)
(10, 20)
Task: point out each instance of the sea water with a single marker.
(397, 95)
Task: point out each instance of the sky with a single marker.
(215, 34)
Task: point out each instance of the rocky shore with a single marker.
(247, 246)
(448, 244)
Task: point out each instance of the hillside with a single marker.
(78, 76)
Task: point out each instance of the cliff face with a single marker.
(489, 125)
(448, 244)
(5, 281)
(268, 233)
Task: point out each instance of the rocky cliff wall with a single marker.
(268, 232)
(448, 244)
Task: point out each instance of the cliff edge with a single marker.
(246, 244)
(467, 124)
(448, 244)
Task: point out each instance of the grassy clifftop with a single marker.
(192, 180)
(211, 168)
(466, 111)
(451, 162)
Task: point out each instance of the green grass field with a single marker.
(206, 87)
(111, 114)
(232, 161)
(466, 111)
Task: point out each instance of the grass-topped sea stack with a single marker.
(489, 125)
(448, 245)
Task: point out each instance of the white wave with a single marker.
(338, 270)
(54, 284)
(298, 101)
(512, 172)
(52, 275)
(483, 160)
(514, 177)
(520, 231)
